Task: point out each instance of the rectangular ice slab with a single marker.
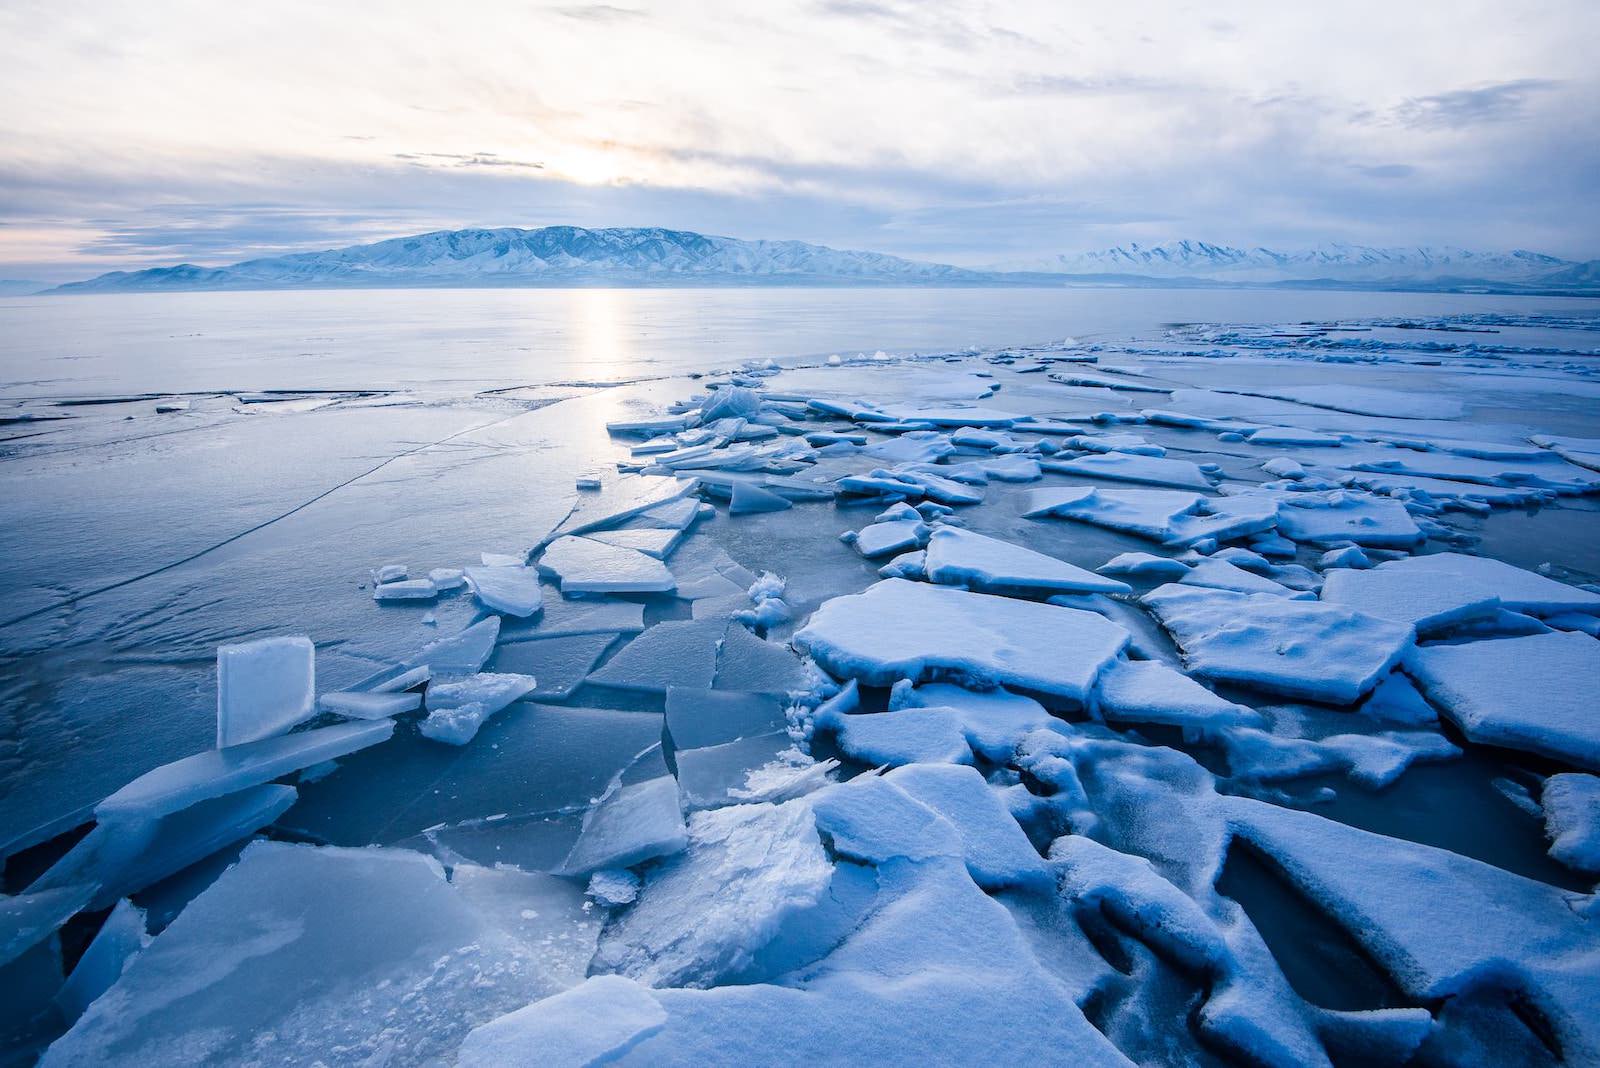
(221, 771)
(957, 557)
(264, 688)
(908, 630)
(299, 951)
(1534, 693)
(583, 565)
(1300, 648)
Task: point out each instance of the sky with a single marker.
(137, 135)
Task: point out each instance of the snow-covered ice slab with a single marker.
(264, 688)
(957, 557)
(594, 1023)
(1143, 691)
(992, 721)
(892, 536)
(704, 912)
(1571, 804)
(458, 707)
(898, 629)
(586, 566)
(1443, 925)
(1302, 649)
(1169, 516)
(220, 771)
(674, 653)
(996, 851)
(512, 590)
(1518, 590)
(1127, 467)
(297, 951)
(907, 736)
(1428, 598)
(631, 825)
(1221, 575)
(123, 856)
(1347, 517)
(1534, 693)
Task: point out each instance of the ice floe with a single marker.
(264, 688)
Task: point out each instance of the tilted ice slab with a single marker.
(1300, 648)
(957, 557)
(996, 851)
(623, 500)
(1519, 590)
(297, 951)
(512, 590)
(1534, 693)
(703, 913)
(991, 721)
(123, 856)
(1218, 574)
(1169, 516)
(220, 771)
(264, 688)
(892, 536)
(1373, 760)
(632, 824)
(586, 566)
(591, 1024)
(1491, 929)
(1571, 804)
(908, 630)
(1125, 467)
(458, 707)
(1144, 691)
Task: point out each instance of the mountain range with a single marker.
(575, 256)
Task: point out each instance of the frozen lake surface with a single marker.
(1233, 653)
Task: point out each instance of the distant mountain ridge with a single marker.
(645, 256)
(549, 255)
(1335, 261)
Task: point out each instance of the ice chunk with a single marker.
(993, 846)
(699, 717)
(1349, 556)
(992, 721)
(447, 578)
(703, 913)
(358, 705)
(458, 707)
(408, 590)
(908, 736)
(123, 856)
(119, 940)
(1429, 599)
(512, 590)
(1145, 566)
(264, 688)
(872, 820)
(633, 824)
(623, 500)
(1300, 648)
(592, 1024)
(1126, 467)
(674, 653)
(1219, 574)
(1493, 931)
(613, 889)
(586, 566)
(460, 654)
(957, 557)
(1571, 805)
(1143, 691)
(881, 539)
(1534, 693)
(1346, 517)
(296, 951)
(748, 497)
(1518, 590)
(560, 664)
(1168, 516)
(221, 771)
(652, 541)
(1396, 699)
(898, 629)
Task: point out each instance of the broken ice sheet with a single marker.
(382, 932)
(957, 557)
(673, 653)
(558, 664)
(583, 565)
(632, 824)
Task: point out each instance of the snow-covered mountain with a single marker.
(1337, 262)
(553, 255)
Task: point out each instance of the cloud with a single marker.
(1472, 107)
